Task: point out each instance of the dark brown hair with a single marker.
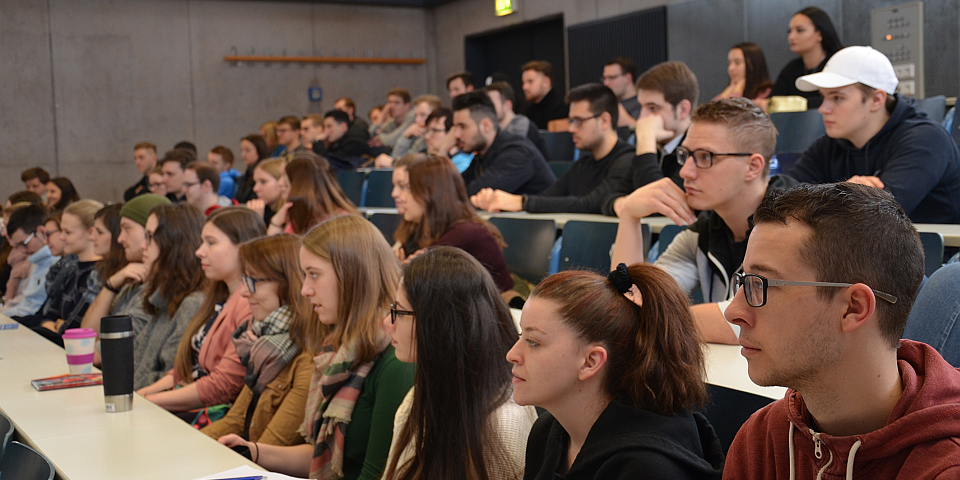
(224, 153)
(35, 172)
(206, 173)
(655, 359)
(463, 331)
(860, 235)
(68, 193)
(674, 80)
(757, 77)
(314, 191)
(627, 67)
(239, 224)
(176, 273)
(437, 185)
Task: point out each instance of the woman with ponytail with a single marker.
(618, 366)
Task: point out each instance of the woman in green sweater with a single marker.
(358, 383)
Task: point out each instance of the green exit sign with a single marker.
(504, 7)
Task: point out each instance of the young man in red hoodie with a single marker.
(830, 274)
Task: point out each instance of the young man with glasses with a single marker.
(725, 159)
(30, 219)
(603, 163)
(830, 275)
(620, 75)
(503, 160)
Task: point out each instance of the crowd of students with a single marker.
(271, 315)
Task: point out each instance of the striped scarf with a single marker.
(334, 390)
(265, 348)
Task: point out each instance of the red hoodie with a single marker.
(921, 439)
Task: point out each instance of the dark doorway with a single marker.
(504, 51)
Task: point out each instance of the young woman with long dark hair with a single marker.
(812, 36)
(618, 365)
(450, 320)
(432, 198)
(253, 150)
(270, 407)
(207, 366)
(357, 383)
(106, 229)
(749, 77)
(60, 193)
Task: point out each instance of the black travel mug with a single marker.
(116, 354)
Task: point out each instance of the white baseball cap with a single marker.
(853, 65)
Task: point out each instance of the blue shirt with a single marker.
(36, 292)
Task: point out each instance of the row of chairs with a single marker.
(534, 249)
(17, 460)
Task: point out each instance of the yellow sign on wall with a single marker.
(504, 7)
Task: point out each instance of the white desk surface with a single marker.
(72, 428)
(725, 368)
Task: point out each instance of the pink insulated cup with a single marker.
(79, 344)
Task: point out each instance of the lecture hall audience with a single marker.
(284, 326)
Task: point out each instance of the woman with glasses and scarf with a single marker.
(207, 367)
(270, 407)
(357, 383)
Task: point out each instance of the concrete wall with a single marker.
(85, 80)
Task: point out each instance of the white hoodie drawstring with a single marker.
(790, 438)
(850, 456)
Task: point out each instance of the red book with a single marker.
(67, 381)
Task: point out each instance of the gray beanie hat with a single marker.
(138, 208)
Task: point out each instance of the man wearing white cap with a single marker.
(877, 137)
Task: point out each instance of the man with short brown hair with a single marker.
(396, 118)
(545, 103)
(460, 83)
(145, 157)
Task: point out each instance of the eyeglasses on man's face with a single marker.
(577, 121)
(394, 313)
(26, 242)
(755, 287)
(703, 158)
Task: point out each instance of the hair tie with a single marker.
(620, 278)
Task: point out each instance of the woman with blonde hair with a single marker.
(270, 407)
(358, 383)
(270, 187)
(207, 366)
(77, 279)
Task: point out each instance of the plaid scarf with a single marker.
(265, 348)
(334, 390)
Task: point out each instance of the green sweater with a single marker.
(370, 432)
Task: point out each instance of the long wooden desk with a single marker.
(72, 428)
(725, 368)
(950, 232)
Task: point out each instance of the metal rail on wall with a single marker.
(302, 59)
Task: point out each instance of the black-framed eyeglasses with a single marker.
(190, 184)
(703, 158)
(149, 236)
(26, 242)
(251, 283)
(577, 121)
(755, 287)
(394, 313)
